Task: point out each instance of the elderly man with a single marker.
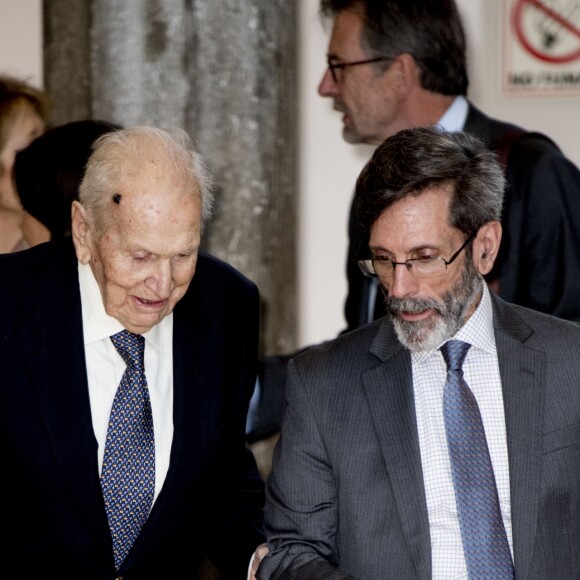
(442, 440)
(127, 364)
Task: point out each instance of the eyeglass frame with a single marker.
(332, 66)
(409, 263)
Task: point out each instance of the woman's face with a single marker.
(27, 126)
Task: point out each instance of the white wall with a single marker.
(328, 169)
(558, 117)
(21, 39)
(328, 166)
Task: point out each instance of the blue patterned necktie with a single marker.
(485, 544)
(128, 473)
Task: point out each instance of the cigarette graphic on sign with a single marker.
(549, 31)
(541, 48)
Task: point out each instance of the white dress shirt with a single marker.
(105, 367)
(481, 373)
(455, 116)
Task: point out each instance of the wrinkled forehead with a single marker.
(155, 219)
(139, 178)
(427, 209)
(149, 166)
(154, 187)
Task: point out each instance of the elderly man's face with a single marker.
(146, 258)
(425, 311)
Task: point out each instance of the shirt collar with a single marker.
(455, 116)
(98, 325)
(477, 330)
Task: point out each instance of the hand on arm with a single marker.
(260, 552)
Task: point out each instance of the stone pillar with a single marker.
(224, 70)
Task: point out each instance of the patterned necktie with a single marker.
(128, 473)
(484, 538)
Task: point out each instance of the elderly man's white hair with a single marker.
(114, 151)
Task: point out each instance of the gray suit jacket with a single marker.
(346, 499)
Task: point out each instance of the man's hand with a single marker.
(259, 554)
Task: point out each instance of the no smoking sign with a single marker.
(542, 53)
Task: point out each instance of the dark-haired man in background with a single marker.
(395, 64)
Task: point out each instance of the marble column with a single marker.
(224, 70)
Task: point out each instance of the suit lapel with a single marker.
(191, 410)
(523, 372)
(58, 376)
(191, 419)
(390, 392)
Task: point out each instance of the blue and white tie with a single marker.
(485, 543)
(128, 473)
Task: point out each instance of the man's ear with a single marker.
(81, 233)
(486, 247)
(405, 74)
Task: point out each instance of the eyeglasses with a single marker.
(334, 67)
(425, 267)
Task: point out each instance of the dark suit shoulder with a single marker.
(541, 175)
(532, 326)
(488, 129)
(31, 261)
(218, 287)
(537, 153)
(212, 269)
(356, 345)
(496, 133)
(23, 273)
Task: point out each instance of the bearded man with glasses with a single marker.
(442, 440)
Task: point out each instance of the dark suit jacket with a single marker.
(346, 499)
(539, 261)
(53, 515)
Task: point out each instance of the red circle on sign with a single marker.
(518, 27)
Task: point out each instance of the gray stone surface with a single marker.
(224, 70)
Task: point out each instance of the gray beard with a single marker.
(450, 312)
